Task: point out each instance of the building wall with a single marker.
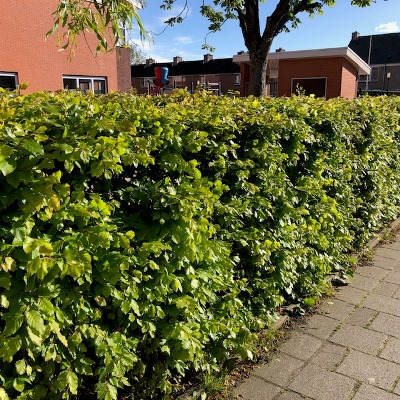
(331, 68)
(349, 81)
(379, 81)
(38, 62)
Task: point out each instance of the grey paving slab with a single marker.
(358, 338)
(336, 309)
(382, 303)
(396, 295)
(361, 316)
(387, 323)
(385, 288)
(320, 326)
(301, 346)
(391, 351)
(388, 253)
(280, 370)
(289, 395)
(321, 384)
(368, 392)
(363, 282)
(395, 245)
(397, 388)
(255, 388)
(369, 369)
(372, 272)
(329, 356)
(393, 277)
(351, 294)
(384, 262)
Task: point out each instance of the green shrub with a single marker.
(145, 239)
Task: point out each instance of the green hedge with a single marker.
(145, 239)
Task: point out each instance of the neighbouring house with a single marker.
(382, 54)
(222, 72)
(323, 72)
(26, 56)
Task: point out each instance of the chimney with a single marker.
(207, 58)
(150, 61)
(177, 60)
(279, 50)
(355, 35)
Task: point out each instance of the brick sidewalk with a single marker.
(348, 350)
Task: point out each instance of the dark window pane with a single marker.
(8, 82)
(99, 86)
(69, 83)
(315, 86)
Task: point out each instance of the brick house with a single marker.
(188, 74)
(382, 54)
(26, 56)
(324, 72)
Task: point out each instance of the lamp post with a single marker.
(388, 75)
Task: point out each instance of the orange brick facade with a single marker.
(341, 76)
(38, 61)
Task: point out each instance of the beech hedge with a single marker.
(145, 239)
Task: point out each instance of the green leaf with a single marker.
(33, 147)
(9, 347)
(7, 167)
(20, 367)
(35, 321)
(72, 380)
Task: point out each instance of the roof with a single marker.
(345, 52)
(385, 48)
(197, 67)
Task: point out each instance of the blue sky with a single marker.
(332, 29)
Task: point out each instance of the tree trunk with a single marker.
(258, 73)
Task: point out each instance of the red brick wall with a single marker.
(331, 68)
(349, 81)
(23, 49)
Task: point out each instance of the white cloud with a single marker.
(389, 27)
(184, 39)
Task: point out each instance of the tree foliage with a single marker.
(101, 17)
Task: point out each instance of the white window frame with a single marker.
(236, 80)
(143, 82)
(91, 80)
(372, 77)
(11, 74)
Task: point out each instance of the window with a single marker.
(237, 79)
(97, 85)
(315, 86)
(373, 77)
(143, 82)
(8, 80)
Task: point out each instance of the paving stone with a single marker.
(361, 316)
(383, 262)
(368, 392)
(387, 323)
(372, 272)
(373, 370)
(397, 388)
(301, 346)
(385, 288)
(363, 282)
(289, 395)
(321, 384)
(359, 338)
(320, 326)
(393, 277)
(255, 388)
(351, 295)
(280, 370)
(329, 356)
(382, 303)
(391, 351)
(392, 245)
(396, 295)
(336, 309)
(388, 253)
